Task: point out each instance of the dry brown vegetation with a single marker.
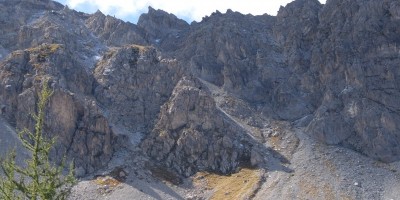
(140, 47)
(106, 181)
(45, 49)
(240, 185)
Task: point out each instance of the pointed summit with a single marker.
(159, 23)
(151, 10)
(98, 12)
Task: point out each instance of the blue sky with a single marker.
(189, 10)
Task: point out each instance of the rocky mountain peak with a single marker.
(115, 31)
(159, 25)
(161, 18)
(99, 13)
(299, 8)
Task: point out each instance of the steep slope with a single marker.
(162, 29)
(357, 62)
(113, 31)
(193, 135)
(75, 119)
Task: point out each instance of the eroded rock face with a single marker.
(357, 65)
(192, 134)
(132, 83)
(113, 31)
(15, 15)
(74, 118)
(162, 29)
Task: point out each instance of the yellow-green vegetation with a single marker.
(106, 184)
(18, 52)
(43, 51)
(240, 185)
(39, 179)
(106, 181)
(140, 48)
(36, 65)
(45, 48)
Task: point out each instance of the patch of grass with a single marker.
(109, 182)
(106, 184)
(45, 48)
(106, 181)
(140, 47)
(18, 52)
(53, 47)
(36, 65)
(240, 185)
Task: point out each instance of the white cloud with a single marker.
(189, 10)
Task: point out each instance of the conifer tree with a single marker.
(39, 179)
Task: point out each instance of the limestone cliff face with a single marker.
(113, 31)
(167, 85)
(133, 83)
(356, 58)
(73, 116)
(193, 134)
(162, 29)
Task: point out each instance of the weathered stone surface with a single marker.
(192, 134)
(132, 82)
(356, 59)
(113, 31)
(162, 29)
(15, 15)
(76, 120)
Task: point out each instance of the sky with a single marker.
(189, 10)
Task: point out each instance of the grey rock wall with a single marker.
(192, 134)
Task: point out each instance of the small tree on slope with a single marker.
(40, 179)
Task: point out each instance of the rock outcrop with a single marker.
(192, 134)
(113, 31)
(162, 29)
(72, 116)
(132, 82)
(356, 58)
